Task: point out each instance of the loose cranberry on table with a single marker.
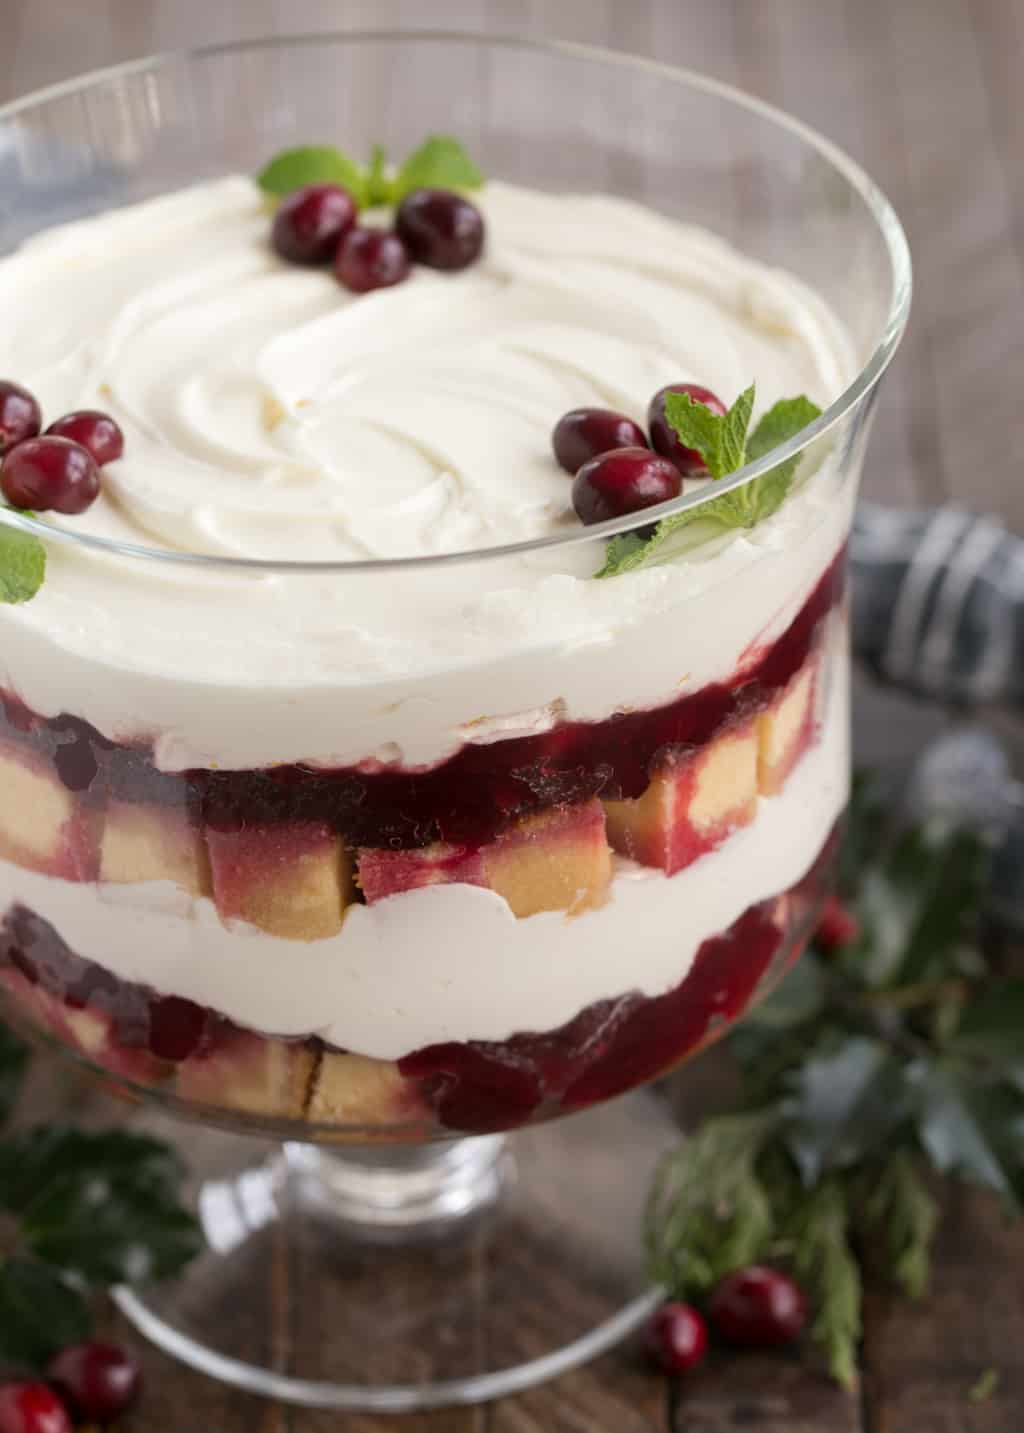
(311, 222)
(20, 415)
(371, 259)
(664, 439)
(50, 474)
(758, 1307)
(99, 1380)
(585, 433)
(440, 229)
(621, 482)
(677, 1338)
(27, 1406)
(96, 432)
(837, 927)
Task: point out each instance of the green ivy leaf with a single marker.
(440, 162)
(40, 1313)
(313, 164)
(22, 565)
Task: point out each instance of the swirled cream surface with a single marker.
(270, 414)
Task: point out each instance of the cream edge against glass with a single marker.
(269, 414)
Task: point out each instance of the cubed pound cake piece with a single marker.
(256, 1074)
(355, 1090)
(43, 827)
(694, 801)
(291, 880)
(153, 843)
(787, 728)
(553, 860)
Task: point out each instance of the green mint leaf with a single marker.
(819, 1235)
(22, 565)
(40, 1313)
(724, 445)
(313, 164)
(101, 1205)
(378, 184)
(900, 1210)
(721, 442)
(440, 162)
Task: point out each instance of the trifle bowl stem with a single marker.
(382, 780)
(392, 1280)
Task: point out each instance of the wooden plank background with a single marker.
(927, 95)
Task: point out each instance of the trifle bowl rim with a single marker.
(866, 377)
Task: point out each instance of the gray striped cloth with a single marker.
(938, 610)
(938, 603)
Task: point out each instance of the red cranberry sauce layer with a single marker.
(473, 1086)
(467, 799)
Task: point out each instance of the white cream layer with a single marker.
(450, 962)
(269, 413)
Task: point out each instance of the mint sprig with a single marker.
(22, 565)
(440, 162)
(871, 1074)
(725, 445)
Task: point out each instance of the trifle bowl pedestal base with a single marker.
(393, 1279)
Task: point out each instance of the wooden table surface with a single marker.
(926, 93)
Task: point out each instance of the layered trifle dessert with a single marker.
(412, 849)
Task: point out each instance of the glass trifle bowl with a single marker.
(345, 804)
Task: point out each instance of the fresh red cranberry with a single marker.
(50, 473)
(28, 1406)
(440, 229)
(585, 433)
(311, 222)
(20, 415)
(623, 481)
(96, 432)
(663, 436)
(371, 259)
(677, 1338)
(99, 1380)
(838, 926)
(758, 1307)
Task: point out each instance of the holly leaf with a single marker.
(103, 1206)
(13, 1063)
(842, 1104)
(974, 1129)
(917, 906)
(440, 162)
(22, 565)
(313, 164)
(40, 1313)
(992, 1024)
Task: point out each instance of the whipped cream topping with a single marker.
(270, 414)
(451, 962)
